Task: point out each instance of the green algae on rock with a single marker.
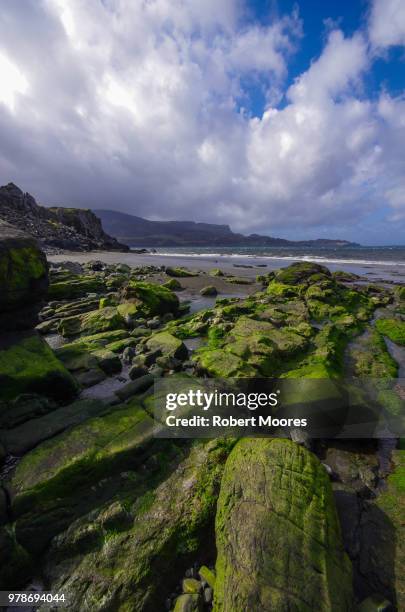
(392, 503)
(168, 345)
(93, 322)
(371, 358)
(135, 567)
(394, 329)
(23, 267)
(278, 536)
(180, 272)
(150, 299)
(23, 278)
(28, 365)
(173, 284)
(23, 438)
(75, 286)
(48, 488)
(216, 272)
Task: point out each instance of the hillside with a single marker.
(136, 231)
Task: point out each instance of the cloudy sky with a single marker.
(285, 118)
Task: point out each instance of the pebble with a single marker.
(208, 595)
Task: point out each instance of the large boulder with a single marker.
(277, 533)
(23, 278)
(28, 365)
(301, 272)
(150, 299)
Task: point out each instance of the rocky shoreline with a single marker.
(94, 505)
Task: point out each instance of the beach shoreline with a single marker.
(248, 265)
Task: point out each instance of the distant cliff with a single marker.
(137, 231)
(56, 228)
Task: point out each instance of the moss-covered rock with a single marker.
(394, 329)
(135, 567)
(281, 290)
(26, 436)
(75, 287)
(392, 503)
(207, 575)
(371, 359)
(216, 272)
(173, 284)
(345, 277)
(400, 293)
(167, 345)
(278, 536)
(180, 272)
(28, 365)
(93, 322)
(239, 280)
(16, 565)
(209, 290)
(23, 278)
(301, 272)
(189, 602)
(150, 299)
(48, 485)
(252, 348)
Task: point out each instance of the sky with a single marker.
(284, 118)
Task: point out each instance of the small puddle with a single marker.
(193, 343)
(107, 387)
(203, 302)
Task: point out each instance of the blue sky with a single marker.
(277, 117)
(318, 17)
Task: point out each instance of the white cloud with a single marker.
(12, 82)
(135, 105)
(387, 23)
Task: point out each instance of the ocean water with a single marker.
(391, 256)
(382, 262)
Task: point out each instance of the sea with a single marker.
(385, 261)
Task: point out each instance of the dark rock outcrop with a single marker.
(57, 227)
(27, 364)
(23, 278)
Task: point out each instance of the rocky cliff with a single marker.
(55, 228)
